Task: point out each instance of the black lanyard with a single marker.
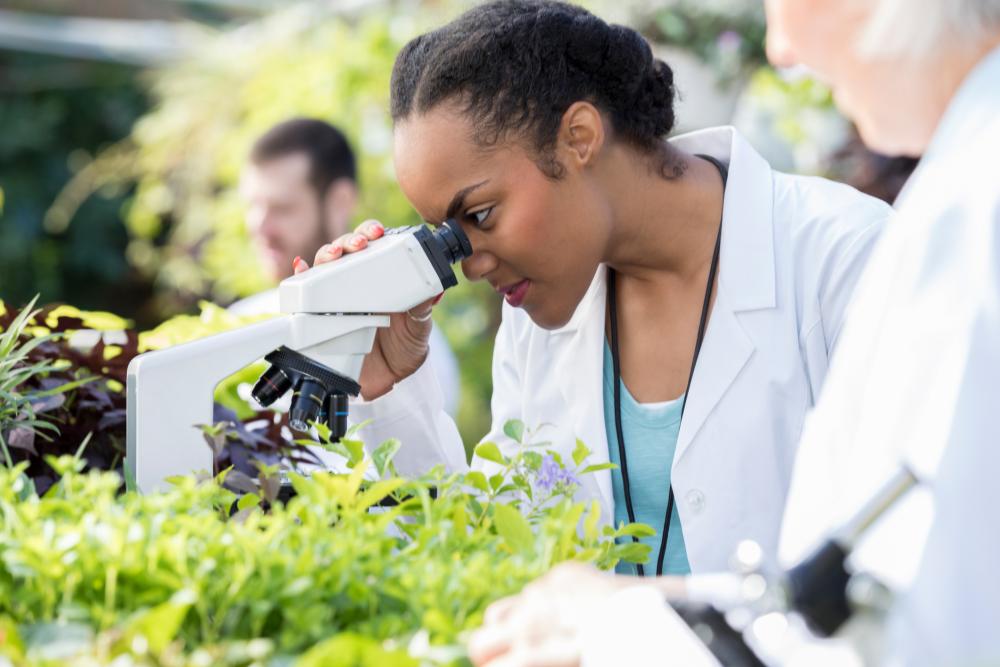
(616, 364)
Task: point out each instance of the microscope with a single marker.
(315, 348)
(750, 619)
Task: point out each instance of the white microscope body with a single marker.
(329, 316)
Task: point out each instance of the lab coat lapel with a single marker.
(746, 273)
(579, 372)
(724, 353)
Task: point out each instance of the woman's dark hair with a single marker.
(515, 66)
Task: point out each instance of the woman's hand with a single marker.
(543, 626)
(399, 349)
(540, 627)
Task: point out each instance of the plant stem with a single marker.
(6, 452)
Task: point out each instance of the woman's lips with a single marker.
(516, 293)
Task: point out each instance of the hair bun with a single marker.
(658, 96)
(517, 65)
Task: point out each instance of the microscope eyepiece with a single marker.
(271, 386)
(453, 241)
(307, 402)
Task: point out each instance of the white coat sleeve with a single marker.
(837, 274)
(414, 412)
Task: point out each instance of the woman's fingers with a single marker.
(369, 230)
(489, 643)
(329, 252)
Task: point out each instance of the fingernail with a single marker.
(437, 298)
(295, 262)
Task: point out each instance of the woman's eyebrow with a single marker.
(458, 201)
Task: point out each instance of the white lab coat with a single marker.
(917, 378)
(792, 249)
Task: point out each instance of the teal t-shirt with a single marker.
(650, 433)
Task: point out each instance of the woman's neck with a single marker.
(665, 229)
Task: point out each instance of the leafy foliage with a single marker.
(727, 36)
(62, 390)
(349, 571)
(56, 114)
(50, 385)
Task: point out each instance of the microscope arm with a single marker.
(177, 385)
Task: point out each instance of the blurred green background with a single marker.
(125, 124)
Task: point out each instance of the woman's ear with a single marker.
(581, 135)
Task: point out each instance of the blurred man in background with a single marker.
(301, 188)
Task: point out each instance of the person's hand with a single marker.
(541, 626)
(400, 348)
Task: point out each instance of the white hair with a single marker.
(914, 27)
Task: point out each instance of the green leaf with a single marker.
(514, 429)
(376, 491)
(534, 460)
(26, 489)
(496, 481)
(353, 650)
(514, 528)
(352, 450)
(477, 480)
(354, 428)
(323, 432)
(597, 467)
(161, 624)
(247, 501)
(591, 521)
(580, 452)
(384, 453)
(633, 552)
(523, 485)
(635, 530)
(489, 451)
(355, 450)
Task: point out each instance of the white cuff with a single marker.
(419, 391)
(638, 628)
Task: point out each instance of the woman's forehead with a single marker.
(435, 157)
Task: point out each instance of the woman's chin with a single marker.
(546, 318)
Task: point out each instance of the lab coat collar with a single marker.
(747, 256)
(973, 107)
(746, 282)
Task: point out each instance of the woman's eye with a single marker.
(479, 217)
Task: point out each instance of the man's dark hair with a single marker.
(330, 156)
(515, 66)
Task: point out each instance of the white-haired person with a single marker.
(916, 379)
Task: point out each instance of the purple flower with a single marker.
(729, 41)
(551, 475)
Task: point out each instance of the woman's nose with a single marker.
(479, 264)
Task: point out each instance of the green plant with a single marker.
(62, 388)
(379, 571)
(729, 37)
(25, 394)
